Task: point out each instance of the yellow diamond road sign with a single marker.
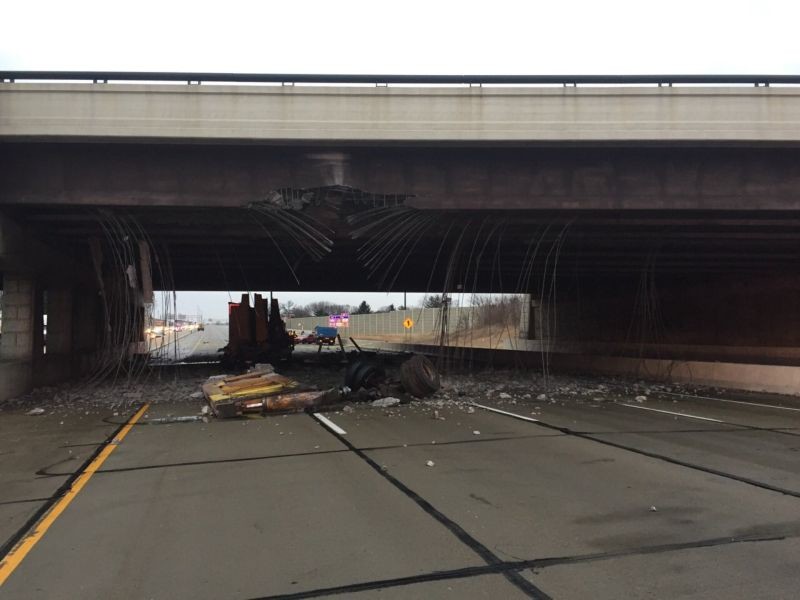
(408, 323)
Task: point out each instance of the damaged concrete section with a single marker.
(262, 390)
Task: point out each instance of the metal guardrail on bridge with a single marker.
(386, 79)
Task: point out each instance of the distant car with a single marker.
(201, 327)
(307, 338)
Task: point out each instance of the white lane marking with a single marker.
(669, 412)
(503, 412)
(329, 424)
(733, 401)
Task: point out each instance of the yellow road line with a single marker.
(20, 551)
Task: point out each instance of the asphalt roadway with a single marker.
(194, 345)
(677, 497)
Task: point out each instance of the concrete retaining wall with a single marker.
(427, 321)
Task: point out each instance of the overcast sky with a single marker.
(412, 36)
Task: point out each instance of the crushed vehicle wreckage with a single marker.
(262, 390)
(256, 333)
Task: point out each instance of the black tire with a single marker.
(419, 376)
(362, 373)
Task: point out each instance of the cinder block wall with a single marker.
(16, 339)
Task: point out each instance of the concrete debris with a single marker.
(457, 392)
(430, 463)
(653, 509)
(102, 398)
(196, 395)
(35, 411)
(386, 402)
(264, 391)
(172, 419)
(476, 432)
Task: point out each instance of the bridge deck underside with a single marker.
(412, 218)
(421, 250)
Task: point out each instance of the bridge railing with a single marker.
(389, 79)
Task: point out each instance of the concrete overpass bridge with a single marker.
(652, 209)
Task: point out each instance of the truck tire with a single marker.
(363, 373)
(419, 376)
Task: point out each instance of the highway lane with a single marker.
(194, 345)
(285, 507)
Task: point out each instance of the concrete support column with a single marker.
(17, 339)
(59, 321)
(530, 319)
(87, 327)
(16, 342)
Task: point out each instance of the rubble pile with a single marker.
(102, 397)
(509, 388)
(262, 390)
(366, 383)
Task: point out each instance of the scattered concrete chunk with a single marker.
(35, 412)
(386, 402)
(641, 399)
(430, 463)
(175, 419)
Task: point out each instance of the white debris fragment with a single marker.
(641, 399)
(196, 395)
(430, 463)
(653, 509)
(470, 410)
(476, 432)
(348, 409)
(541, 397)
(35, 411)
(386, 402)
(504, 396)
(204, 410)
